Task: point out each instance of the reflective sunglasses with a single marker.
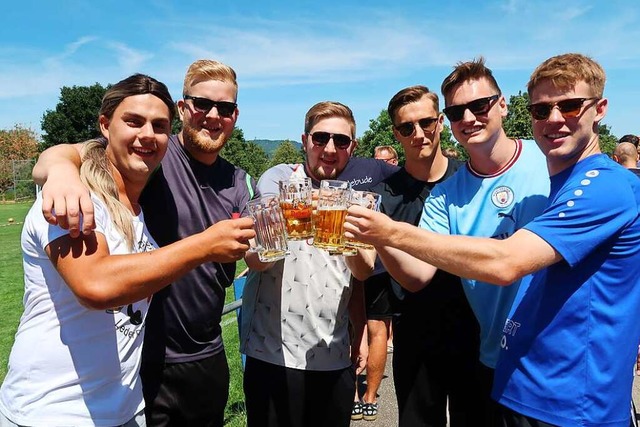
(204, 105)
(408, 128)
(322, 138)
(568, 108)
(478, 107)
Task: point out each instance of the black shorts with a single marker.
(187, 393)
(280, 396)
(380, 301)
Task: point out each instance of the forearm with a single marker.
(361, 265)
(101, 280)
(60, 159)
(357, 314)
(411, 273)
(253, 262)
(114, 280)
(485, 259)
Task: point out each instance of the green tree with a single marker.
(18, 143)
(286, 153)
(608, 141)
(517, 124)
(246, 155)
(380, 132)
(75, 117)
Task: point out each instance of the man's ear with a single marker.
(104, 126)
(303, 137)
(354, 146)
(180, 108)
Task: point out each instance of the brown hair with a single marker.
(565, 71)
(464, 71)
(328, 109)
(206, 69)
(409, 95)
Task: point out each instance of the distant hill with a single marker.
(270, 145)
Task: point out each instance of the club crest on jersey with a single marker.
(502, 196)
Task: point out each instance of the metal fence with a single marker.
(21, 186)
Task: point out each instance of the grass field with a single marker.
(12, 290)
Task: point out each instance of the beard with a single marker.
(320, 173)
(195, 139)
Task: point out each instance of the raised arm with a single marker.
(411, 273)
(500, 262)
(361, 265)
(64, 196)
(100, 280)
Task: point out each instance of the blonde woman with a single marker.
(76, 356)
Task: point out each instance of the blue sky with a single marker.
(290, 55)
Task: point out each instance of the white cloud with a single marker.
(130, 60)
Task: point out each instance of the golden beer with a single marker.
(329, 223)
(299, 222)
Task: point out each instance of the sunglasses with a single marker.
(568, 108)
(478, 107)
(339, 140)
(204, 105)
(408, 128)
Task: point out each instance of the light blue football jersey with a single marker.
(490, 206)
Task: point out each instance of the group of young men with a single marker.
(540, 329)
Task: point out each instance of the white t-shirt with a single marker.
(295, 314)
(71, 365)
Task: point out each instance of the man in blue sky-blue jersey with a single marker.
(500, 189)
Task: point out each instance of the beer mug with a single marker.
(271, 239)
(368, 200)
(295, 201)
(329, 219)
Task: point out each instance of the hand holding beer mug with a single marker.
(269, 225)
(329, 219)
(295, 201)
(368, 200)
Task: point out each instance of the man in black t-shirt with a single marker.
(436, 336)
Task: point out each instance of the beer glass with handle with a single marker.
(295, 201)
(330, 214)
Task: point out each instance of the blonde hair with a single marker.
(95, 174)
(329, 109)
(204, 70)
(95, 171)
(565, 71)
(381, 148)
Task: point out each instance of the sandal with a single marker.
(356, 411)
(370, 411)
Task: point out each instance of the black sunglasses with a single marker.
(478, 107)
(568, 108)
(322, 138)
(204, 105)
(408, 128)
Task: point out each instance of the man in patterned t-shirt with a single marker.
(296, 311)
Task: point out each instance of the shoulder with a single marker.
(268, 182)
(601, 175)
(365, 172)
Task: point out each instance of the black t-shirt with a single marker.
(364, 172)
(182, 198)
(438, 316)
